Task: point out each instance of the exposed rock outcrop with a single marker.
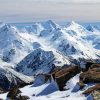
(91, 89)
(88, 65)
(96, 95)
(65, 74)
(94, 91)
(92, 75)
(15, 94)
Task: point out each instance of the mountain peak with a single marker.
(49, 24)
(73, 23)
(4, 27)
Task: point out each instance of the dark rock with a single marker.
(65, 74)
(92, 75)
(23, 97)
(2, 90)
(95, 67)
(15, 94)
(88, 64)
(96, 95)
(92, 89)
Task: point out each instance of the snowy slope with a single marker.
(13, 47)
(89, 40)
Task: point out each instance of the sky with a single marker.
(57, 10)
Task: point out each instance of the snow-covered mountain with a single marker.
(72, 41)
(41, 47)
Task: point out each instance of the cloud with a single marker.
(29, 10)
(68, 1)
(54, 1)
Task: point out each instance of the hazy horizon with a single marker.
(57, 10)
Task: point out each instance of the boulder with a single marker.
(92, 75)
(95, 67)
(15, 94)
(2, 90)
(65, 74)
(23, 98)
(96, 95)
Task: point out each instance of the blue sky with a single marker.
(58, 10)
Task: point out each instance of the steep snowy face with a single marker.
(49, 25)
(8, 40)
(40, 61)
(12, 46)
(10, 78)
(7, 36)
